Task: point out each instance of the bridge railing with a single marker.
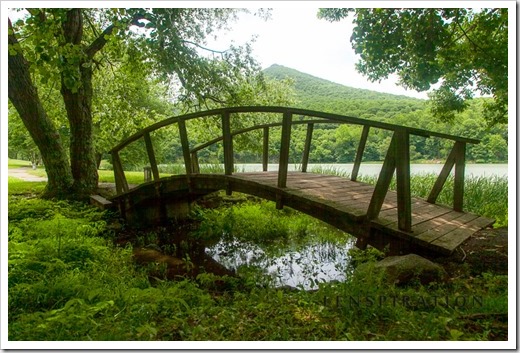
(397, 159)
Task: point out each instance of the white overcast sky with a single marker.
(293, 37)
(296, 38)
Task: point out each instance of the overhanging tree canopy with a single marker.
(463, 50)
(66, 47)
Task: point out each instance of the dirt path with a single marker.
(23, 173)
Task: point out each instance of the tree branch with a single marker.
(101, 40)
(466, 35)
(37, 13)
(204, 48)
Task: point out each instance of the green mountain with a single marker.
(334, 144)
(318, 94)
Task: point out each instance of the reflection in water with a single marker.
(302, 269)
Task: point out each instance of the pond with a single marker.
(302, 269)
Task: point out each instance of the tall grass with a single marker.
(330, 170)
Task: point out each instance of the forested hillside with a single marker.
(319, 94)
(338, 145)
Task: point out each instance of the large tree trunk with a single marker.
(78, 103)
(24, 96)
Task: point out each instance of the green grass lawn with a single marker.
(17, 163)
(20, 187)
(105, 176)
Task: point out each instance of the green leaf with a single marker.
(12, 50)
(455, 334)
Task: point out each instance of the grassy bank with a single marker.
(68, 281)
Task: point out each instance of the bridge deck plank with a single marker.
(436, 227)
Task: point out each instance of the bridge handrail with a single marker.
(258, 127)
(397, 159)
(294, 111)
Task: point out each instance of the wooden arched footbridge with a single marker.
(373, 214)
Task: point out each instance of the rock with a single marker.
(164, 266)
(403, 269)
(146, 256)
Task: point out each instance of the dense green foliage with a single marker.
(464, 50)
(109, 72)
(67, 281)
(261, 223)
(319, 94)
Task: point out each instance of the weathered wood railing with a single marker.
(397, 159)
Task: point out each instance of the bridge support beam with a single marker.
(151, 156)
(397, 159)
(392, 246)
(457, 158)
(402, 166)
(228, 143)
(359, 153)
(307, 147)
(265, 152)
(185, 144)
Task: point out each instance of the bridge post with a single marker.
(404, 198)
(183, 133)
(383, 183)
(359, 153)
(307, 147)
(227, 140)
(195, 163)
(228, 143)
(283, 163)
(151, 156)
(265, 154)
(397, 159)
(457, 158)
(119, 174)
(284, 149)
(458, 186)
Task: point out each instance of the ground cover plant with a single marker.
(68, 280)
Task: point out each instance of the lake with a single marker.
(373, 169)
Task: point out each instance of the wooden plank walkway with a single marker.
(435, 227)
